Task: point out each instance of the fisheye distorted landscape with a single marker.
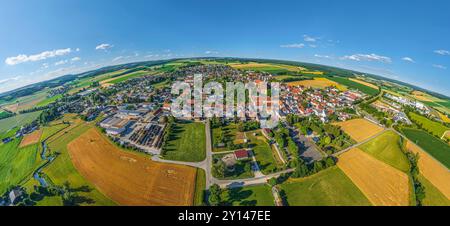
(88, 92)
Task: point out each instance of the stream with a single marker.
(37, 173)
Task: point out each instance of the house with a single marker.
(14, 195)
(241, 154)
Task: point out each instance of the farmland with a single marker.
(364, 83)
(270, 68)
(432, 127)
(386, 148)
(49, 100)
(31, 138)
(318, 83)
(330, 187)
(434, 146)
(433, 197)
(432, 170)
(61, 170)
(124, 77)
(259, 195)
(186, 142)
(16, 163)
(354, 85)
(134, 180)
(360, 129)
(382, 184)
(17, 121)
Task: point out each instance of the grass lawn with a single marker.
(264, 154)
(330, 187)
(434, 146)
(386, 148)
(18, 120)
(354, 85)
(259, 195)
(187, 142)
(200, 183)
(434, 128)
(242, 169)
(62, 169)
(433, 197)
(16, 164)
(229, 133)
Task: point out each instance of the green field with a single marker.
(354, 85)
(187, 142)
(49, 100)
(330, 187)
(17, 121)
(128, 76)
(48, 131)
(16, 164)
(259, 195)
(432, 127)
(434, 146)
(62, 169)
(200, 184)
(229, 134)
(263, 153)
(433, 197)
(387, 149)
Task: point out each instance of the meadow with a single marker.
(354, 85)
(187, 142)
(432, 127)
(17, 121)
(200, 185)
(264, 154)
(387, 149)
(49, 100)
(330, 187)
(258, 195)
(434, 146)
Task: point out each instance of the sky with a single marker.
(404, 40)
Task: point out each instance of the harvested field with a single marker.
(382, 184)
(31, 138)
(422, 96)
(360, 129)
(432, 170)
(130, 179)
(364, 83)
(318, 83)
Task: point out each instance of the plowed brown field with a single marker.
(31, 138)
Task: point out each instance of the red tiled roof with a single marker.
(241, 154)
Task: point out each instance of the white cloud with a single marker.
(409, 59)
(61, 62)
(322, 56)
(6, 80)
(103, 46)
(313, 46)
(77, 49)
(22, 58)
(309, 38)
(442, 52)
(45, 65)
(211, 52)
(368, 57)
(118, 58)
(439, 66)
(75, 59)
(294, 45)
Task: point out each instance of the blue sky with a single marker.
(404, 40)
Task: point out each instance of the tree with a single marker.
(219, 169)
(272, 181)
(214, 195)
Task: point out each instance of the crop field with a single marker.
(258, 195)
(434, 128)
(265, 156)
(124, 77)
(26, 102)
(187, 142)
(131, 179)
(433, 197)
(49, 100)
(364, 83)
(444, 118)
(16, 164)
(432, 170)
(330, 187)
(31, 138)
(61, 170)
(381, 183)
(354, 85)
(360, 129)
(270, 68)
(387, 149)
(318, 83)
(17, 121)
(434, 146)
(423, 96)
(48, 131)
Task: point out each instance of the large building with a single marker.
(115, 125)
